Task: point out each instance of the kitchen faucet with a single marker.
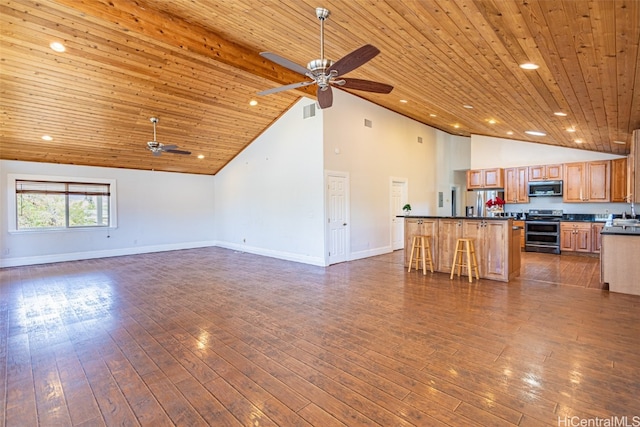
(633, 210)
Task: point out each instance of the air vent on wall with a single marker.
(368, 123)
(419, 140)
(309, 111)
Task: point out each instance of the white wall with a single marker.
(372, 157)
(156, 211)
(269, 199)
(489, 152)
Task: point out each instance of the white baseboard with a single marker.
(370, 252)
(76, 256)
(288, 256)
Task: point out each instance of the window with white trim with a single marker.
(43, 205)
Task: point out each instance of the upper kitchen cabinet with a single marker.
(587, 181)
(485, 178)
(619, 190)
(515, 185)
(545, 172)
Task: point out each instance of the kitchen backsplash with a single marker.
(577, 208)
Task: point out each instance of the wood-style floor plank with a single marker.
(217, 337)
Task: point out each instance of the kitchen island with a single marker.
(497, 242)
(619, 266)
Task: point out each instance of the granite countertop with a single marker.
(622, 230)
(497, 218)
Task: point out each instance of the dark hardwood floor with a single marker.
(216, 337)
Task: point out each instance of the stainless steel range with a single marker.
(542, 231)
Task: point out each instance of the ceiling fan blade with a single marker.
(287, 87)
(325, 97)
(354, 59)
(168, 147)
(174, 151)
(366, 85)
(285, 63)
(156, 153)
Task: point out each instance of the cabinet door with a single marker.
(553, 172)
(574, 182)
(449, 230)
(567, 237)
(583, 238)
(411, 228)
(473, 229)
(598, 181)
(494, 250)
(523, 185)
(537, 173)
(521, 225)
(475, 179)
(511, 185)
(493, 178)
(596, 238)
(619, 191)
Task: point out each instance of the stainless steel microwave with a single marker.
(545, 188)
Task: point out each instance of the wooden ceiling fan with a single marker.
(325, 73)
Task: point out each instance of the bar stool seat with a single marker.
(465, 247)
(421, 251)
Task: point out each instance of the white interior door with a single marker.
(398, 200)
(337, 217)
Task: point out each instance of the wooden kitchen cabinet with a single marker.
(485, 178)
(545, 172)
(587, 181)
(575, 236)
(518, 223)
(596, 238)
(619, 190)
(516, 185)
(449, 231)
(422, 227)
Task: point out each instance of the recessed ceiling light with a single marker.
(57, 46)
(535, 133)
(619, 142)
(433, 115)
(578, 141)
(468, 106)
(529, 66)
(253, 102)
(201, 156)
(492, 121)
(456, 126)
(47, 138)
(404, 101)
(571, 130)
(509, 133)
(560, 114)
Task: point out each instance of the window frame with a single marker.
(12, 205)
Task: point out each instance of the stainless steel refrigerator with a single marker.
(479, 198)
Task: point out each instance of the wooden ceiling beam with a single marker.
(141, 18)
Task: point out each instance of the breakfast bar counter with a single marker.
(496, 241)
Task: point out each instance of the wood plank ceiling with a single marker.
(196, 66)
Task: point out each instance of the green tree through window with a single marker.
(55, 205)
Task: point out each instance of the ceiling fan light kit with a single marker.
(324, 73)
(157, 148)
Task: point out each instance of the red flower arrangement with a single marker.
(495, 202)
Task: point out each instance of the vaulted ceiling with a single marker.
(196, 66)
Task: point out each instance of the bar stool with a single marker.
(465, 246)
(422, 249)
